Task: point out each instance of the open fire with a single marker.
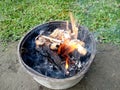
(57, 54)
(64, 49)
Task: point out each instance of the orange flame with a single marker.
(66, 63)
(67, 46)
(65, 49)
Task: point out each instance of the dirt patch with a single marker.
(102, 75)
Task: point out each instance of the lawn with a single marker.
(102, 17)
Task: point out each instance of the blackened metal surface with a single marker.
(39, 60)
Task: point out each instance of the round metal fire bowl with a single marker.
(54, 83)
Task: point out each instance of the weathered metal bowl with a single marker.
(54, 83)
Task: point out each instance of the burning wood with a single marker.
(75, 43)
(63, 42)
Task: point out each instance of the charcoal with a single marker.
(72, 72)
(49, 70)
(76, 55)
(85, 58)
(42, 51)
(79, 64)
(54, 58)
(59, 75)
(53, 74)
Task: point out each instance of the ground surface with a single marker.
(104, 74)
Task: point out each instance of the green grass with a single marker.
(100, 16)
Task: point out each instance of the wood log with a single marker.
(51, 39)
(61, 34)
(78, 45)
(81, 50)
(57, 33)
(54, 46)
(52, 56)
(77, 41)
(74, 28)
(39, 40)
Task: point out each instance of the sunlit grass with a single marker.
(100, 16)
